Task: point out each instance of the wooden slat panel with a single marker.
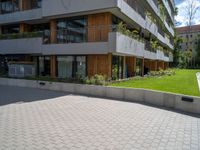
(131, 65)
(99, 27)
(99, 64)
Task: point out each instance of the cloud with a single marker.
(181, 19)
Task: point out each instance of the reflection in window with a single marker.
(81, 66)
(9, 29)
(72, 30)
(9, 6)
(138, 67)
(65, 64)
(117, 67)
(44, 66)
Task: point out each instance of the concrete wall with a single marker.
(131, 13)
(21, 46)
(160, 99)
(117, 44)
(62, 7)
(150, 26)
(21, 16)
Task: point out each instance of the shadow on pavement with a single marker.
(10, 94)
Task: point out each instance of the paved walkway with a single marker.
(53, 121)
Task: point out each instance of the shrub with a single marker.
(162, 73)
(96, 80)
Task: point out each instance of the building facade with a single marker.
(190, 37)
(66, 38)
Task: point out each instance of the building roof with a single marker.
(194, 28)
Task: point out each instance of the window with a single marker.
(71, 66)
(44, 66)
(36, 4)
(9, 29)
(65, 64)
(72, 30)
(81, 66)
(117, 67)
(138, 67)
(9, 6)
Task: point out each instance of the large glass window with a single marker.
(71, 66)
(72, 30)
(8, 6)
(36, 4)
(117, 67)
(138, 67)
(44, 66)
(81, 66)
(65, 64)
(9, 29)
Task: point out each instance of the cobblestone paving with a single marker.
(62, 121)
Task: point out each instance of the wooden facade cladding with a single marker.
(24, 5)
(23, 27)
(99, 25)
(99, 64)
(131, 65)
(53, 66)
(161, 65)
(152, 65)
(53, 28)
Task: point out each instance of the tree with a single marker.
(191, 11)
(177, 50)
(198, 51)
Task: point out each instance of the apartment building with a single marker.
(66, 38)
(190, 37)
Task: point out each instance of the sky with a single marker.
(181, 19)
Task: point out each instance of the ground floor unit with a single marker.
(72, 66)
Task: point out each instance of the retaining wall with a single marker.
(169, 100)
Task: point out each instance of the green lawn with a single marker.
(183, 82)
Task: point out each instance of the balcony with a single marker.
(20, 16)
(136, 13)
(154, 5)
(75, 41)
(151, 26)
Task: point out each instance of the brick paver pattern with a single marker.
(69, 121)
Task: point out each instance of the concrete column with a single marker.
(53, 66)
(53, 30)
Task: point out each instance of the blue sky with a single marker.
(181, 19)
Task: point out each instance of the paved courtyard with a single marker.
(46, 120)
